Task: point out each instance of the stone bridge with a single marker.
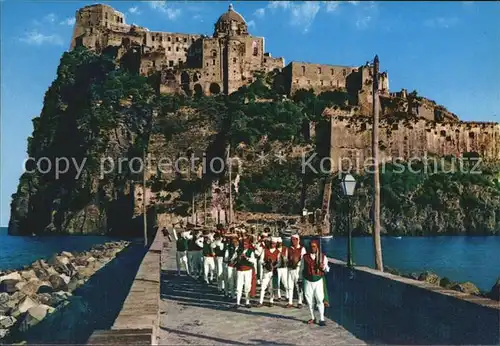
(366, 307)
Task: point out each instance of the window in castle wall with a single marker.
(168, 39)
(207, 63)
(308, 82)
(185, 39)
(176, 49)
(169, 49)
(153, 38)
(297, 81)
(154, 63)
(234, 60)
(265, 60)
(344, 73)
(213, 61)
(176, 39)
(321, 82)
(105, 16)
(332, 71)
(319, 71)
(170, 63)
(255, 48)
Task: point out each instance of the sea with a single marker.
(459, 258)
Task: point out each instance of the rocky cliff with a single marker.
(104, 118)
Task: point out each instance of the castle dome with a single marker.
(231, 15)
(230, 24)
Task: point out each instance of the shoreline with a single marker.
(37, 291)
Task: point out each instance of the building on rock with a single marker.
(198, 64)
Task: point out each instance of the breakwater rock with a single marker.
(29, 295)
(464, 287)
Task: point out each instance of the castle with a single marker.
(198, 64)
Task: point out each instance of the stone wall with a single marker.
(139, 318)
(398, 310)
(351, 138)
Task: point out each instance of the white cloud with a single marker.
(279, 4)
(50, 18)
(363, 22)
(441, 22)
(37, 38)
(467, 3)
(161, 6)
(251, 24)
(260, 12)
(134, 10)
(198, 17)
(331, 6)
(303, 15)
(68, 21)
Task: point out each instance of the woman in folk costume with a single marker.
(295, 254)
(314, 267)
(181, 254)
(245, 269)
(270, 258)
(282, 269)
(219, 250)
(208, 260)
(230, 261)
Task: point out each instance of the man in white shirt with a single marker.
(270, 258)
(295, 254)
(314, 266)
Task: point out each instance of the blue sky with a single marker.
(448, 51)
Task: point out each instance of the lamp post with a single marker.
(348, 186)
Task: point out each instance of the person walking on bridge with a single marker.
(181, 254)
(219, 250)
(270, 258)
(315, 265)
(230, 261)
(208, 260)
(244, 273)
(282, 269)
(295, 254)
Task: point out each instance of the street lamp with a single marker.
(348, 185)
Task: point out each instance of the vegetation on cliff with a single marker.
(95, 109)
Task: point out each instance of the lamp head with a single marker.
(348, 185)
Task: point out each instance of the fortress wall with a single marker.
(351, 138)
(271, 63)
(318, 77)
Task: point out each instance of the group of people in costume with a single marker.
(238, 261)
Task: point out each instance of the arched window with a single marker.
(255, 48)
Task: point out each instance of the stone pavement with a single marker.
(192, 312)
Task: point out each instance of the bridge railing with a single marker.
(138, 320)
